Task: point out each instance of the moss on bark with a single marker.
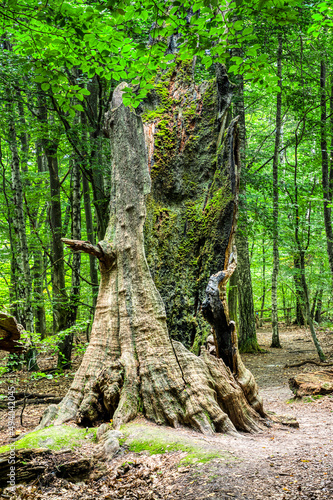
(184, 228)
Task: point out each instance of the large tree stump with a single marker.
(131, 364)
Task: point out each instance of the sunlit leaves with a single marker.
(127, 40)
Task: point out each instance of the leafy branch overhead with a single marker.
(129, 41)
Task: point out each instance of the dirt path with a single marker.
(279, 463)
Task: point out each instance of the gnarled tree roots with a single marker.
(207, 396)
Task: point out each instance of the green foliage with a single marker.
(69, 56)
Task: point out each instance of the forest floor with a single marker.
(281, 462)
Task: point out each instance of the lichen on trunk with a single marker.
(131, 364)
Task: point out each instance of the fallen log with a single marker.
(308, 361)
(43, 464)
(34, 395)
(308, 384)
(35, 401)
(24, 472)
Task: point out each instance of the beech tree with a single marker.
(131, 362)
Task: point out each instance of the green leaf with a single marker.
(45, 86)
(78, 107)
(317, 17)
(247, 31)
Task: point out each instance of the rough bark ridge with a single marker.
(131, 364)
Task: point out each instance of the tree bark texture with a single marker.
(131, 362)
(184, 123)
(275, 222)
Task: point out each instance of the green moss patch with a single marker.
(54, 438)
(194, 455)
(157, 440)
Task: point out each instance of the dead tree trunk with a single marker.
(131, 362)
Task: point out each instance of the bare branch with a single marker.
(103, 250)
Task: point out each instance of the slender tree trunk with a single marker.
(91, 238)
(275, 225)
(263, 280)
(100, 198)
(317, 315)
(38, 269)
(298, 292)
(301, 254)
(306, 302)
(89, 221)
(326, 171)
(60, 299)
(66, 345)
(314, 302)
(20, 225)
(131, 361)
(14, 280)
(247, 323)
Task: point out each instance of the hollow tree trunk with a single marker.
(131, 361)
(232, 297)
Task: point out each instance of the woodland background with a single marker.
(59, 65)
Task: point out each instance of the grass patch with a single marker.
(310, 399)
(54, 438)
